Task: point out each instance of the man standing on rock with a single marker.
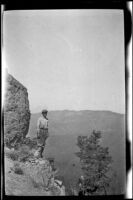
(42, 133)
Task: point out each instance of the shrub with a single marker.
(31, 143)
(22, 154)
(13, 155)
(17, 169)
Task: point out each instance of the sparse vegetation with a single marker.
(22, 154)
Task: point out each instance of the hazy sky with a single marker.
(67, 59)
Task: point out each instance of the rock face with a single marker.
(16, 112)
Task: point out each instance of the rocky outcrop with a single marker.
(37, 178)
(16, 112)
(20, 185)
(41, 173)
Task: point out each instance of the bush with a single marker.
(31, 143)
(17, 169)
(22, 154)
(13, 155)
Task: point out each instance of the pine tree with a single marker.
(95, 163)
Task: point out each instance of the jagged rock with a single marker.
(16, 111)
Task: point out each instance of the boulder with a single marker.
(16, 112)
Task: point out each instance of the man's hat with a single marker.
(44, 111)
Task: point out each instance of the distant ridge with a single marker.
(67, 110)
(73, 122)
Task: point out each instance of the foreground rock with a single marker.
(16, 112)
(42, 174)
(20, 185)
(34, 177)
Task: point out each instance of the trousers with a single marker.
(42, 136)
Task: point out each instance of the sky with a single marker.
(67, 59)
